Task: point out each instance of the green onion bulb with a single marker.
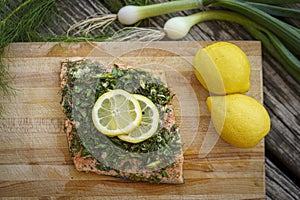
(129, 15)
(178, 27)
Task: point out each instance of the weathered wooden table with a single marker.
(281, 92)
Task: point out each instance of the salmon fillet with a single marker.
(158, 159)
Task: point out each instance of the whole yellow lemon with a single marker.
(239, 119)
(222, 68)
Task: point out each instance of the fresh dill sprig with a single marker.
(20, 23)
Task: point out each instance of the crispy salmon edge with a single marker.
(87, 164)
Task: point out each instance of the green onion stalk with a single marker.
(276, 10)
(289, 36)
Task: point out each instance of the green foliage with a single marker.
(20, 22)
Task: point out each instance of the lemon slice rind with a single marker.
(148, 125)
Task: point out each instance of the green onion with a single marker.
(289, 36)
(177, 27)
(131, 14)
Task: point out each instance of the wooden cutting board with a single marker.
(34, 157)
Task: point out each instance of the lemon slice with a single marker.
(116, 112)
(148, 125)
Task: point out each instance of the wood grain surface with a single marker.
(34, 157)
(281, 92)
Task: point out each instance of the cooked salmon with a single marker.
(158, 159)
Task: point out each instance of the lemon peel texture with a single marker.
(222, 68)
(239, 119)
